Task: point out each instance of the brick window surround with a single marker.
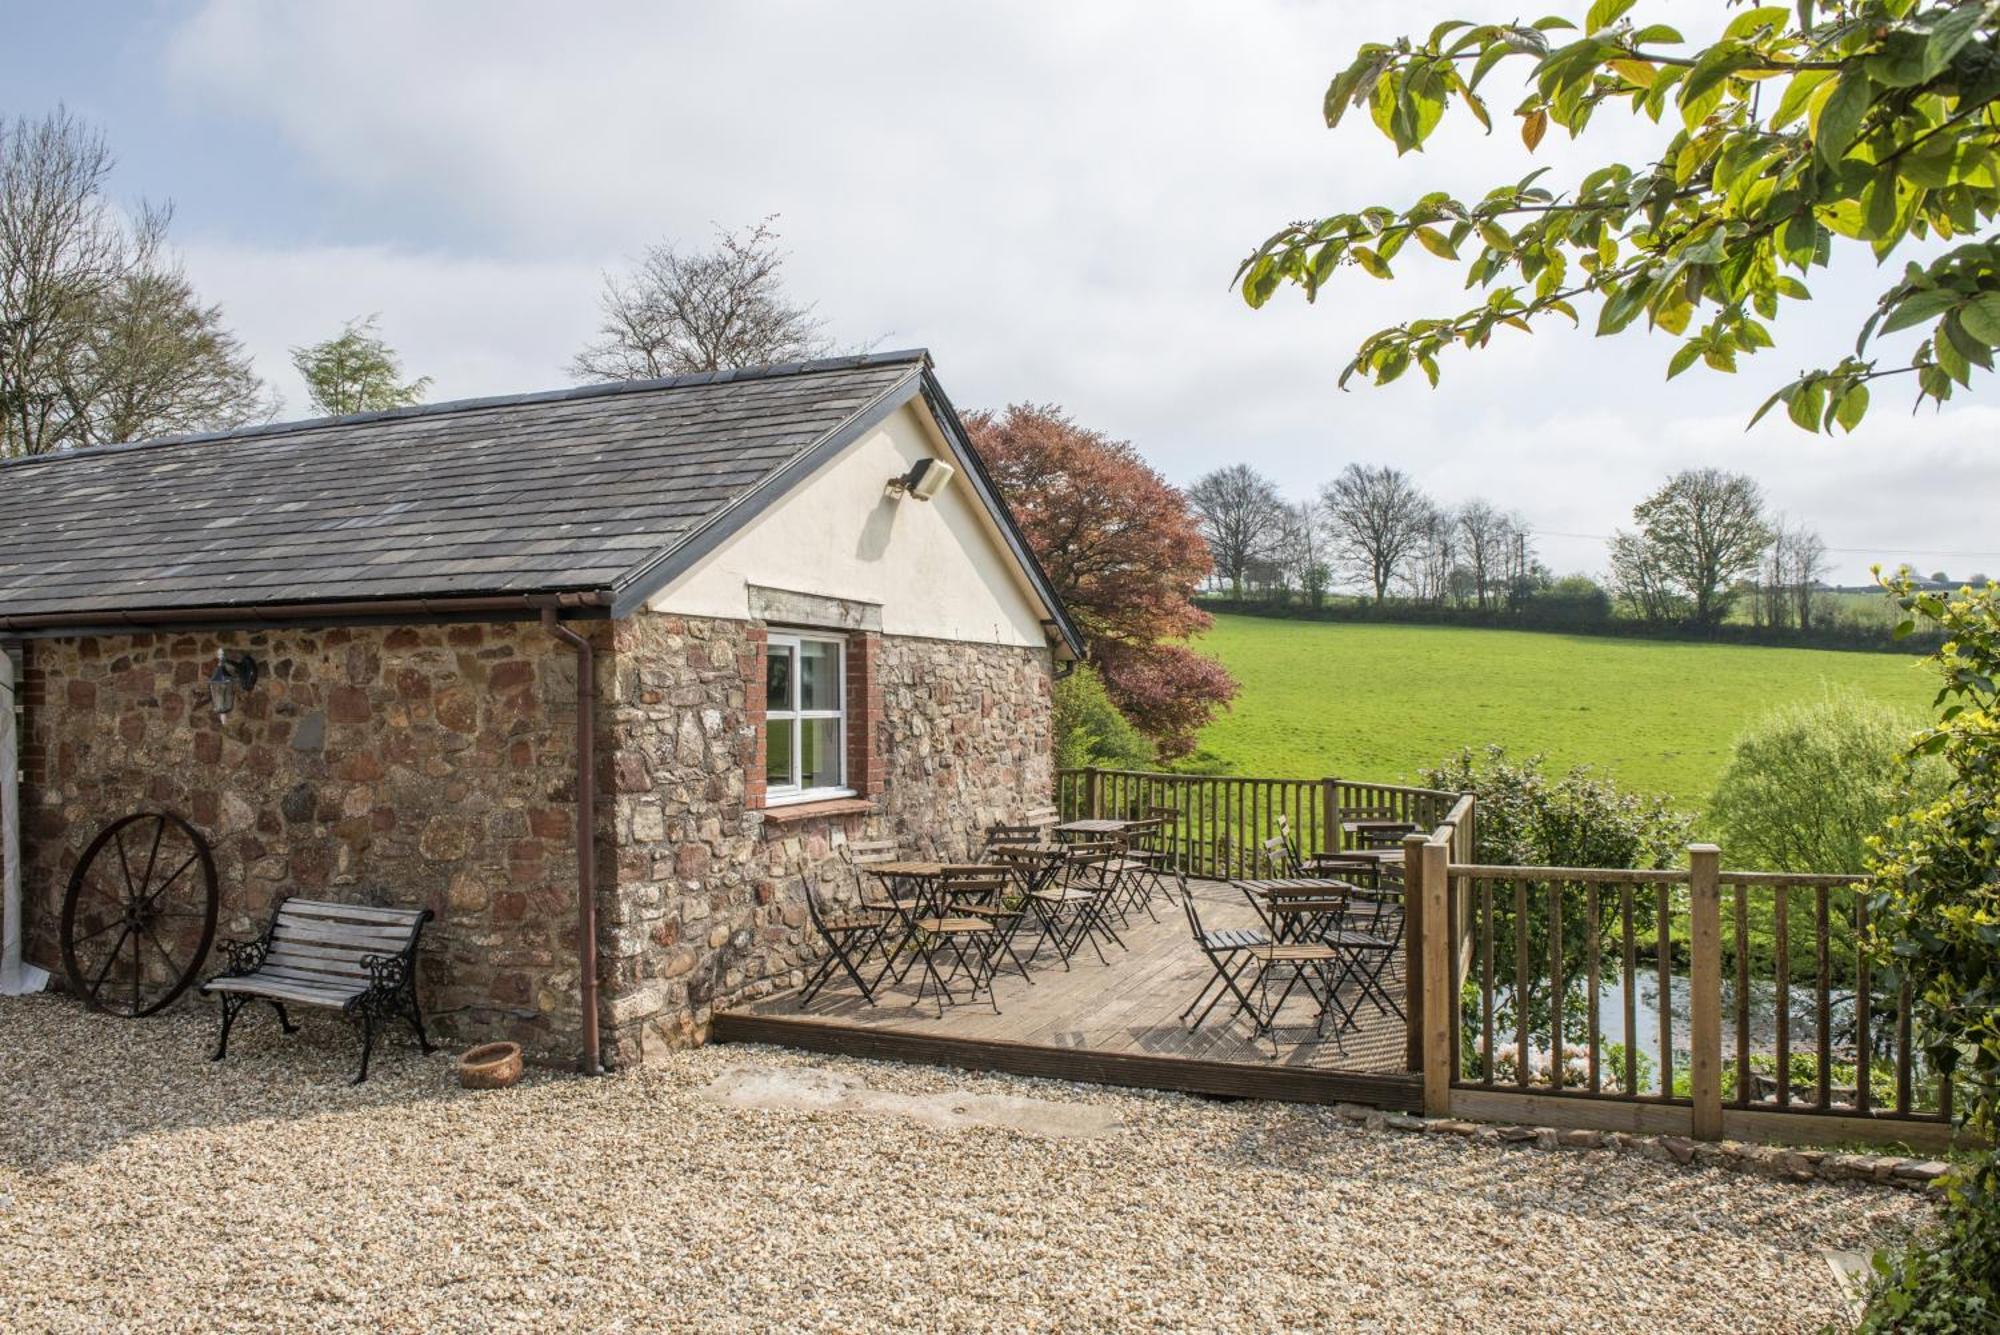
(867, 768)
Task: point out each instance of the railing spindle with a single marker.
(1823, 999)
(1486, 972)
(1665, 947)
(1781, 908)
(1743, 1082)
(1595, 984)
(1521, 982)
(1556, 982)
(1903, 1047)
(1631, 991)
(1864, 1034)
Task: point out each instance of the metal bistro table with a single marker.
(1096, 829)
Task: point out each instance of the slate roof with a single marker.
(591, 489)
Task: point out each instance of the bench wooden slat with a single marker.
(345, 983)
(287, 989)
(314, 951)
(360, 913)
(388, 943)
(322, 968)
(395, 931)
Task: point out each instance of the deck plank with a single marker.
(1127, 1008)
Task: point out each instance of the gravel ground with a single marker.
(142, 1188)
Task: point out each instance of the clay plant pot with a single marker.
(490, 1066)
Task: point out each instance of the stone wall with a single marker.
(415, 766)
(708, 909)
(435, 766)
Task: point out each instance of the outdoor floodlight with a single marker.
(926, 478)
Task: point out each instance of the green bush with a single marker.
(1528, 818)
(1809, 783)
(1091, 731)
(1948, 1279)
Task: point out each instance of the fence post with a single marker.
(1705, 988)
(1413, 947)
(1329, 818)
(1440, 985)
(1093, 791)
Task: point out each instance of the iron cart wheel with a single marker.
(139, 915)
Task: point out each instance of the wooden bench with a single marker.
(353, 958)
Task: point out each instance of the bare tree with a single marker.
(1434, 557)
(1304, 552)
(1803, 570)
(701, 311)
(1704, 529)
(1637, 577)
(101, 339)
(1376, 518)
(1242, 519)
(1486, 545)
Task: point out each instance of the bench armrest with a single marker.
(244, 957)
(386, 973)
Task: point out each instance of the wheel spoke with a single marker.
(153, 853)
(97, 983)
(174, 969)
(135, 973)
(125, 866)
(164, 885)
(88, 936)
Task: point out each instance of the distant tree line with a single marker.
(1703, 556)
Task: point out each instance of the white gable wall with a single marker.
(937, 568)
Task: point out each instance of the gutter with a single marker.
(518, 605)
(591, 1060)
(16, 978)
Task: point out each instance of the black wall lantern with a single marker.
(230, 676)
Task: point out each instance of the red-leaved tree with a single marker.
(1124, 553)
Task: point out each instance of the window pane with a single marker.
(778, 677)
(778, 752)
(819, 675)
(819, 762)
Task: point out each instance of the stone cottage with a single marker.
(798, 610)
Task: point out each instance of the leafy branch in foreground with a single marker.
(1868, 121)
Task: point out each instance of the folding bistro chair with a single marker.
(1011, 836)
(967, 944)
(1371, 933)
(987, 893)
(1227, 950)
(850, 938)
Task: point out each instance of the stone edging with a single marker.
(1773, 1161)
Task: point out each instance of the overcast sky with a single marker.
(1051, 197)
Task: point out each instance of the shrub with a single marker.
(1936, 920)
(1808, 784)
(1090, 730)
(1529, 819)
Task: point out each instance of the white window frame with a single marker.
(777, 794)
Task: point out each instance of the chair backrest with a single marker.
(1042, 817)
(1015, 835)
(973, 882)
(862, 852)
(1279, 851)
(313, 937)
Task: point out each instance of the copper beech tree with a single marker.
(1125, 553)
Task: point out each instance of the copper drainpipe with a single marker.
(586, 831)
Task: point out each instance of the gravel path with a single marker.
(142, 1188)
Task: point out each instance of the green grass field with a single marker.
(1380, 702)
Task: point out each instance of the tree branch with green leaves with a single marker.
(1866, 121)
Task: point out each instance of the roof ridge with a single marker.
(604, 389)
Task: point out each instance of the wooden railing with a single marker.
(1220, 821)
(1578, 989)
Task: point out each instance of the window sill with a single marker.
(787, 812)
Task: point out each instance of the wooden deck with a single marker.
(1115, 1023)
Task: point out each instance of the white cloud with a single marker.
(1051, 196)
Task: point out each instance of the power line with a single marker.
(1857, 551)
